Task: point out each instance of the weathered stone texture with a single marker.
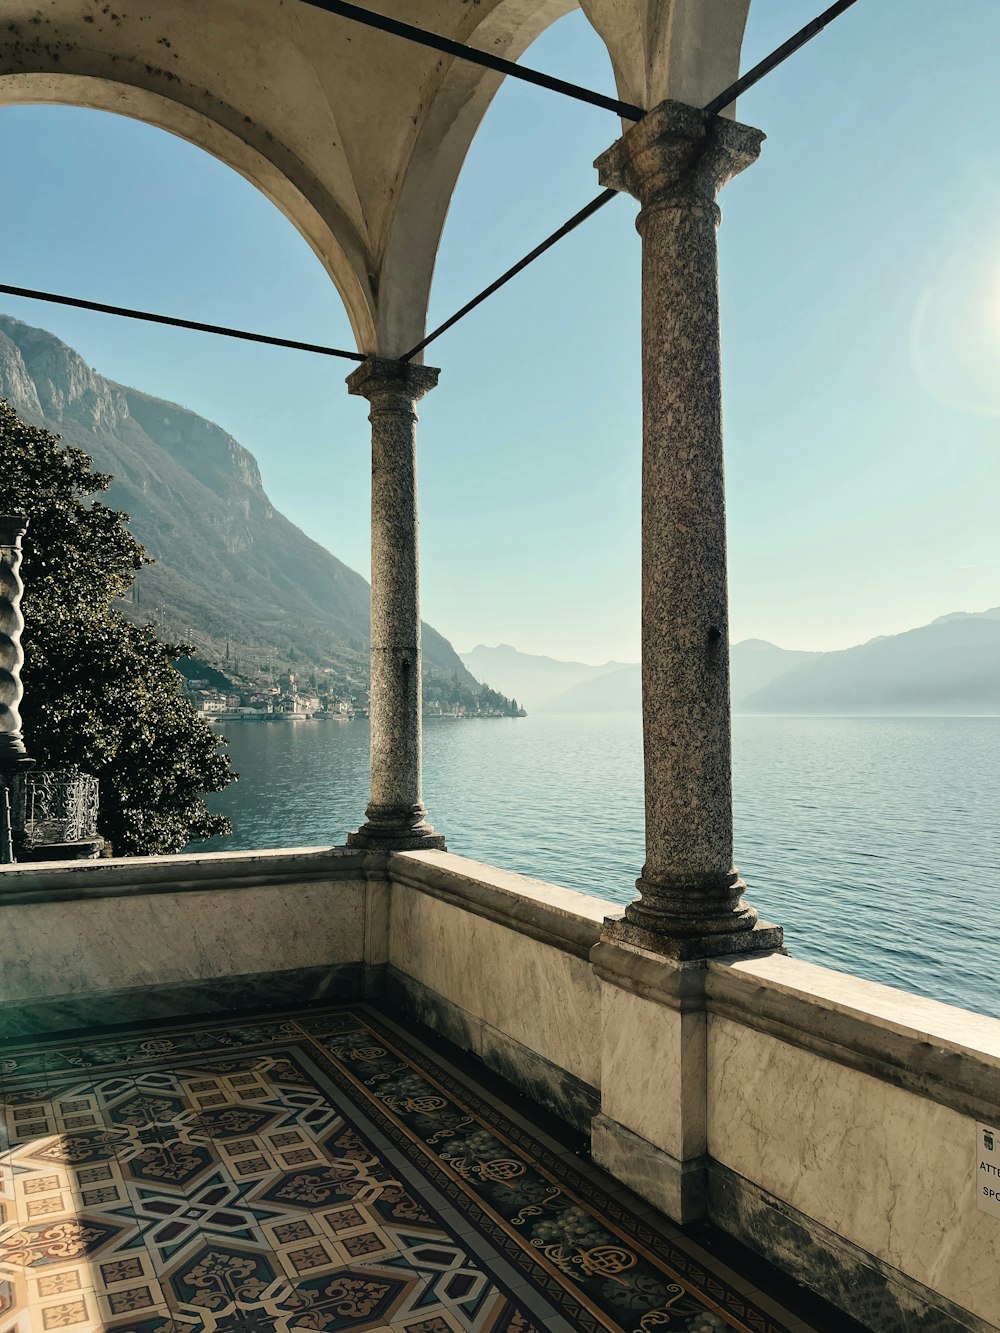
(674, 161)
(396, 813)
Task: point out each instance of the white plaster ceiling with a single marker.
(356, 135)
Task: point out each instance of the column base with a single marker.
(397, 828)
(762, 937)
(376, 839)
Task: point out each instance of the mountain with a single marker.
(992, 614)
(754, 663)
(614, 692)
(951, 666)
(230, 567)
(532, 680)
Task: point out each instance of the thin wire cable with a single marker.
(173, 322)
(471, 53)
(724, 99)
(587, 211)
(776, 57)
(717, 104)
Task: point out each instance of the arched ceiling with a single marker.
(357, 136)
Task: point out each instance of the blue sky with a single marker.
(860, 281)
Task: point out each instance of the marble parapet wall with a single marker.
(827, 1122)
(126, 940)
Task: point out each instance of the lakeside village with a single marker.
(289, 700)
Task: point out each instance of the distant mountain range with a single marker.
(230, 567)
(534, 681)
(951, 666)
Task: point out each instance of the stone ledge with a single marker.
(62, 881)
(675, 985)
(552, 915)
(948, 1055)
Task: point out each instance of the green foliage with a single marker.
(196, 668)
(450, 692)
(101, 694)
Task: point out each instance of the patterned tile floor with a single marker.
(322, 1171)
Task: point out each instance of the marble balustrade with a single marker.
(826, 1121)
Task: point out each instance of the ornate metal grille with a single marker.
(59, 807)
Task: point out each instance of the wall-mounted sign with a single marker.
(988, 1169)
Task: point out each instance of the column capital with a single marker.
(675, 157)
(381, 375)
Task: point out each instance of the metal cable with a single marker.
(173, 322)
(407, 31)
(776, 57)
(471, 53)
(713, 108)
(587, 211)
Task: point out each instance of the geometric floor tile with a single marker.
(311, 1172)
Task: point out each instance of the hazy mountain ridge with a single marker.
(531, 679)
(229, 565)
(950, 666)
(546, 685)
(612, 692)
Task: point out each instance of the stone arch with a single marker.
(685, 49)
(288, 185)
(358, 137)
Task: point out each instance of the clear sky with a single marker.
(860, 279)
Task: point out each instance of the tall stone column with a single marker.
(674, 162)
(396, 817)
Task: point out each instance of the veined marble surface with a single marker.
(888, 1170)
(544, 997)
(114, 943)
(653, 1071)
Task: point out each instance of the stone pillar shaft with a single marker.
(396, 817)
(690, 905)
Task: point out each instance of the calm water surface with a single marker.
(874, 841)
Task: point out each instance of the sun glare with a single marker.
(955, 335)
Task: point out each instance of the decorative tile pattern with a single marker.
(312, 1173)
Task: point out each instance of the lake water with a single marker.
(875, 842)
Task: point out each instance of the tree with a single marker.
(101, 694)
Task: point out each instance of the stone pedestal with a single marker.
(652, 1130)
(89, 849)
(396, 817)
(691, 905)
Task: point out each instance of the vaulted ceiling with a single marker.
(356, 135)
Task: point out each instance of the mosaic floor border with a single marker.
(314, 1171)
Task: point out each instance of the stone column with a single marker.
(14, 760)
(691, 905)
(396, 817)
